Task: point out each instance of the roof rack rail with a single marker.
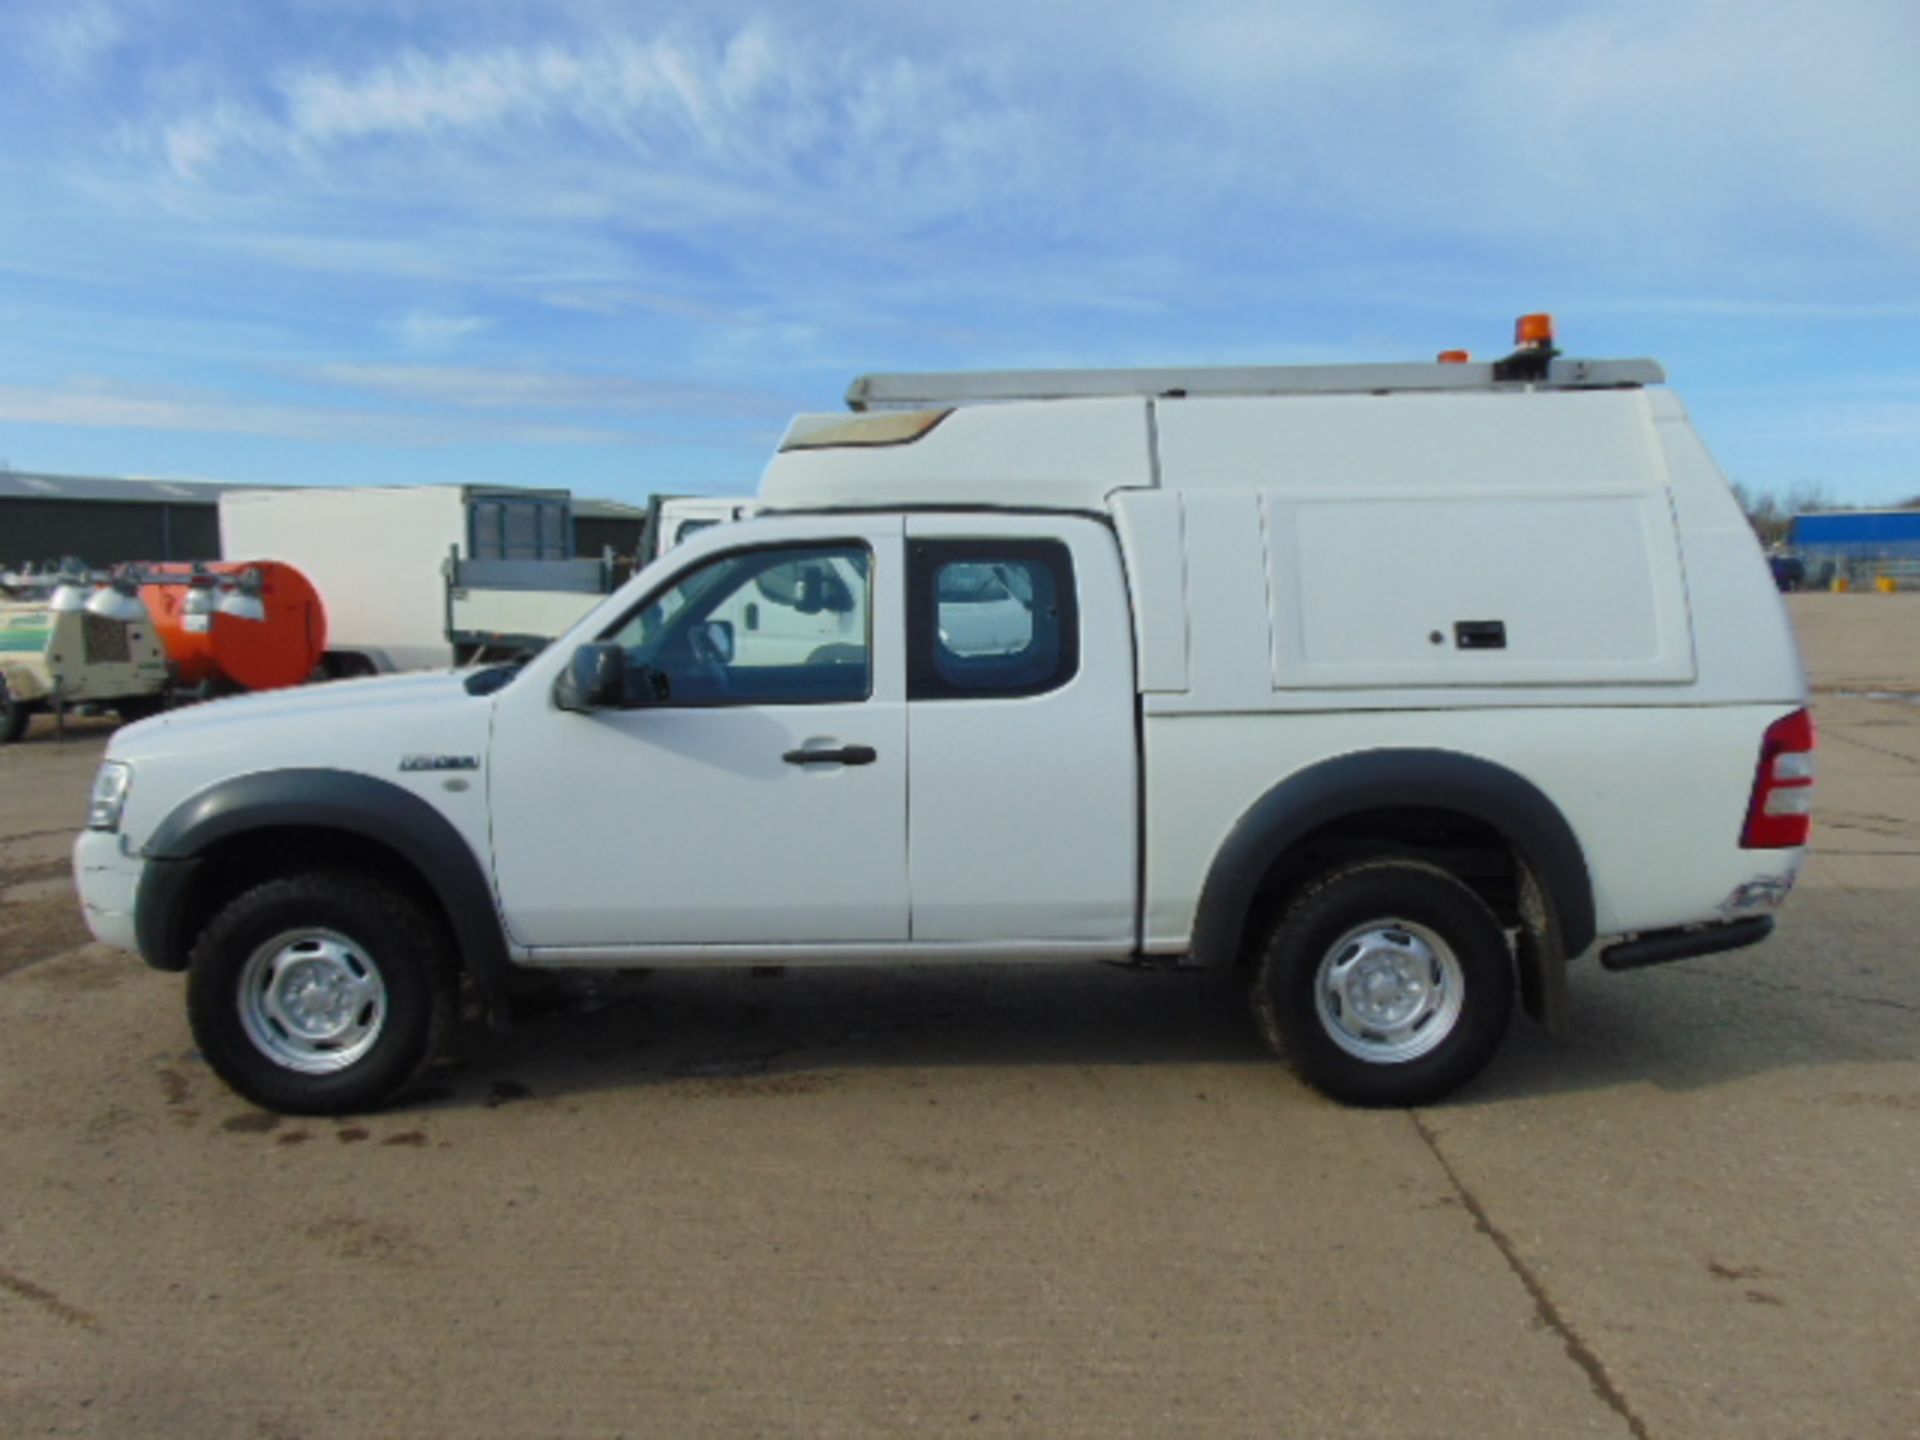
(975, 387)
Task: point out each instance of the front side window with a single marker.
(780, 626)
(991, 618)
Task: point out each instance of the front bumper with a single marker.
(108, 879)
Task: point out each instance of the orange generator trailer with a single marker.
(232, 625)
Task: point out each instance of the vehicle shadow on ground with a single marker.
(1681, 1028)
(77, 727)
(581, 1033)
(1812, 998)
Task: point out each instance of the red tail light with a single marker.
(1780, 814)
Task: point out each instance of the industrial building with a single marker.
(1858, 545)
(103, 522)
(45, 518)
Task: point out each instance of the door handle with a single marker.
(845, 755)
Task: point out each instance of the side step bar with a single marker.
(1664, 945)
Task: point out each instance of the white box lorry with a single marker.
(422, 576)
(1386, 691)
(674, 518)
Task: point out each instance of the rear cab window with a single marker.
(990, 618)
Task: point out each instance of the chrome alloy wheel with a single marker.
(1389, 991)
(312, 1001)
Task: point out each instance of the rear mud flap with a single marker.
(1542, 961)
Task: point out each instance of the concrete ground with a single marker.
(1073, 1203)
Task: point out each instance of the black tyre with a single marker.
(320, 993)
(1389, 983)
(15, 715)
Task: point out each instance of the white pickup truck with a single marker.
(1387, 689)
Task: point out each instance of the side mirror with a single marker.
(595, 679)
(809, 595)
(821, 589)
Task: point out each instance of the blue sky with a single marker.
(613, 246)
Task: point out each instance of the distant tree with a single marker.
(1772, 515)
(1762, 512)
(1806, 496)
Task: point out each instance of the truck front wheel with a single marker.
(319, 994)
(1388, 983)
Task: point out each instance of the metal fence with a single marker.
(1861, 566)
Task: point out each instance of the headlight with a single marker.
(109, 798)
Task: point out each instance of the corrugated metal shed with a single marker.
(22, 485)
(103, 521)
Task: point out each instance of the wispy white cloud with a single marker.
(482, 388)
(701, 188)
(72, 38)
(424, 330)
(195, 144)
(1850, 420)
(99, 405)
(1768, 310)
(296, 243)
(645, 130)
(613, 300)
(1656, 124)
(1669, 129)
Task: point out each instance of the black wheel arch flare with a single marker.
(1382, 780)
(316, 800)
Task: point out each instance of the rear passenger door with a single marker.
(1023, 822)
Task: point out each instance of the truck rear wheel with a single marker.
(319, 994)
(1389, 983)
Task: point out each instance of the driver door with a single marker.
(762, 802)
